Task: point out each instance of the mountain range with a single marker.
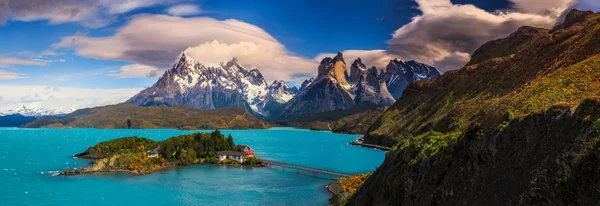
(35, 112)
(194, 84)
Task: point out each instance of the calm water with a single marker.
(28, 157)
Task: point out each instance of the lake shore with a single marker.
(372, 146)
(93, 169)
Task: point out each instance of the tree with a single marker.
(230, 143)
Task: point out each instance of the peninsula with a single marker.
(138, 155)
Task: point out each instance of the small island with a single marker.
(139, 156)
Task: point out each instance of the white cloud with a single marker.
(120, 6)
(156, 40)
(377, 58)
(65, 98)
(548, 7)
(445, 33)
(55, 11)
(273, 62)
(90, 13)
(136, 71)
(6, 61)
(184, 10)
(11, 75)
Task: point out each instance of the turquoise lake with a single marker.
(30, 157)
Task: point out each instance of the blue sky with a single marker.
(39, 47)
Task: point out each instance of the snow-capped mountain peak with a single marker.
(192, 83)
(280, 91)
(35, 112)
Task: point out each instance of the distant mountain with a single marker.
(15, 120)
(191, 83)
(35, 112)
(335, 89)
(130, 116)
(278, 94)
(327, 92)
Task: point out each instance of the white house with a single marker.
(152, 153)
(232, 155)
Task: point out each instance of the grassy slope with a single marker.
(541, 69)
(181, 117)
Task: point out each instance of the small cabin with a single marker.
(153, 153)
(231, 155)
(247, 150)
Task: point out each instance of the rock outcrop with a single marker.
(399, 74)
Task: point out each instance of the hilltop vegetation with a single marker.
(130, 116)
(517, 126)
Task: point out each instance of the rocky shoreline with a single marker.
(99, 167)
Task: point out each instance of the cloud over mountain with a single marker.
(156, 40)
(136, 71)
(445, 34)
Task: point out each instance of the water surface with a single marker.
(28, 157)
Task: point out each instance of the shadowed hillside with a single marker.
(135, 117)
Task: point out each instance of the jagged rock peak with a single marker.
(386, 98)
(305, 84)
(339, 57)
(357, 70)
(358, 62)
(280, 91)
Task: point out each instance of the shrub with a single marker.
(212, 160)
(596, 125)
(352, 183)
(252, 161)
(428, 144)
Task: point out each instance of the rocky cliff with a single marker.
(548, 158)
